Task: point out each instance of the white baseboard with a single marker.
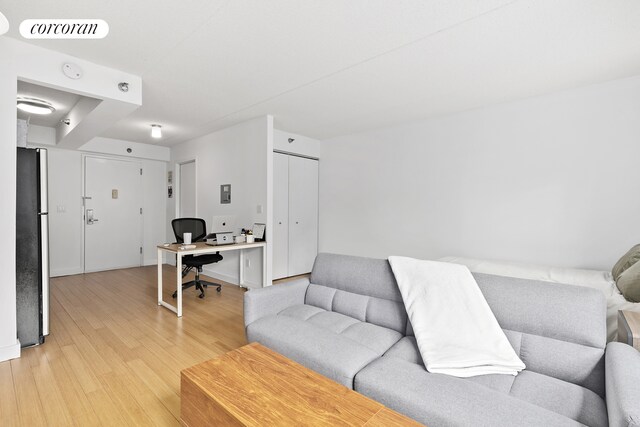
(220, 276)
(65, 272)
(233, 280)
(230, 279)
(10, 352)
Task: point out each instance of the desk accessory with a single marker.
(258, 231)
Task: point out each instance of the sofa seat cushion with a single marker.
(442, 400)
(332, 344)
(563, 398)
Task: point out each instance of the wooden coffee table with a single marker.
(255, 386)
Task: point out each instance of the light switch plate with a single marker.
(114, 193)
(225, 194)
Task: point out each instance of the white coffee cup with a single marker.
(186, 238)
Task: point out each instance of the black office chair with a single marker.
(198, 229)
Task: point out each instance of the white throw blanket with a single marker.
(456, 331)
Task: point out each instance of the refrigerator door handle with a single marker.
(44, 182)
(44, 230)
(44, 226)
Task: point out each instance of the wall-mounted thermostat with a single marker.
(225, 194)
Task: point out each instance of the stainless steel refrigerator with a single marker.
(32, 247)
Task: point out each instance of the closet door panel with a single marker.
(303, 214)
(280, 216)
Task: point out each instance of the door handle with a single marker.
(90, 218)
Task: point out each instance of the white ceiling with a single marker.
(62, 101)
(330, 67)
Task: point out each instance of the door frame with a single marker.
(176, 189)
(82, 212)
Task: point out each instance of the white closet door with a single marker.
(303, 214)
(280, 215)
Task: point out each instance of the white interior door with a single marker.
(280, 215)
(187, 190)
(112, 215)
(303, 214)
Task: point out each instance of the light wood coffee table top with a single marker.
(255, 386)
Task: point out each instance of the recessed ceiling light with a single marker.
(35, 105)
(4, 24)
(156, 131)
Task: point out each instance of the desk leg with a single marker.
(179, 283)
(159, 276)
(264, 267)
(241, 272)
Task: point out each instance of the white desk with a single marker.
(201, 249)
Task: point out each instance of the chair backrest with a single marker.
(196, 226)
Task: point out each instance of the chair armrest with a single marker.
(273, 299)
(622, 382)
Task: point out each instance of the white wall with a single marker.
(118, 147)
(9, 345)
(242, 156)
(30, 63)
(551, 180)
(300, 144)
(65, 209)
(65, 212)
(154, 205)
(41, 135)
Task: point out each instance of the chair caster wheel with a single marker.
(175, 294)
(219, 289)
(201, 296)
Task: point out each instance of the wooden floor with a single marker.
(114, 357)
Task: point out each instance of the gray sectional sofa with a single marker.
(348, 322)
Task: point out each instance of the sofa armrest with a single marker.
(273, 299)
(622, 364)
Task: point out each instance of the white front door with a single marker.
(112, 214)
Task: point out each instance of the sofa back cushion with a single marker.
(358, 275)
(560, 330)
(363, 288)
(563, 312)
(557, 330)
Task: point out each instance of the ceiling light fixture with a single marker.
(35, 105)
(156, 131)
(4, 24)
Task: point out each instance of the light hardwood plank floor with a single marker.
(114, 357)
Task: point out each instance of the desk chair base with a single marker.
(199, 284)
